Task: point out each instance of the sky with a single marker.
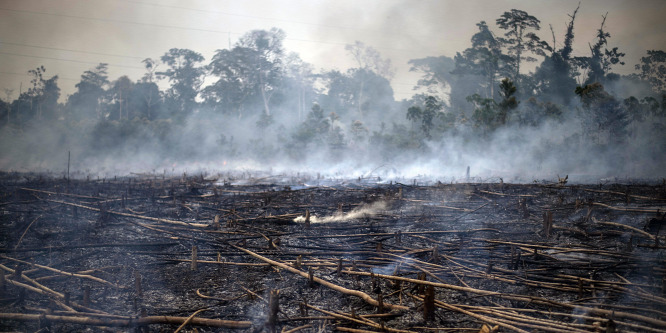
(69, 37)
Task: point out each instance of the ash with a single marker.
(154, 253)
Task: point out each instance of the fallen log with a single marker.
(136, 216)
(324, 283)
(127, 321)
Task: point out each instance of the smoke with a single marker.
(355, 137)
(362, 211)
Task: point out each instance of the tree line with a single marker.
(256, 99)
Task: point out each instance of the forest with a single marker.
(514, 104)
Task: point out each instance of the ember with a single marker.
(161, 253)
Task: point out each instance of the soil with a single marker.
(312, 255)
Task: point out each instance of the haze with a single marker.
(385, 89)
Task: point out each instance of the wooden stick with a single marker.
(26, 230)
(136, 216)
(84, 276)
(324, 283)
(636, 209)
(296, 329)
(358, 321)
(529, 299)
(126, 321)
(619, 225)
(189, 319)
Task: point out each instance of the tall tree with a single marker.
(370, 63)
(605, 117)
(567, 49)
(44, 93)
(86, 101)
(145, 99)
(519, 39)
(120, 94)
(554, 78)
(299, 81)
(358, 90)
(484, 58)
(151, 66)
(601, 60)
(186, 75)
(508, 102)
(653, 69)
(7, 103)
(252, 69)
(426, 115)
(146, 92)
(266, 54)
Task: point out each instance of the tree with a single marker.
(251, 71)
(314, 129)
(435, 73)
(7, 103)
(604, 114)
(599, 64)
(484, 58)
(426, 115)
(186, 76)
(567, 49)
(508, 102)
(653, 69)
(359, 131)
(299, 79)
(554, 77)
(86, 101)
(151, 67)
(370, 63)
(120, 94)
(266, 53)
(358, 90)
(485, 113)
(43, 94)
(518, 40)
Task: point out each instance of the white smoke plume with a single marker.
(358, 212)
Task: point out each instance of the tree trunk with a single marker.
(267, 111)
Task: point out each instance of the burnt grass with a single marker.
(515, 257)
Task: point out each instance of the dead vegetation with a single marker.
(155, 253)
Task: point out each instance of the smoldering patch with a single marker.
(365, 210)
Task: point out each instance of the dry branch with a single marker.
(136, 216)
(323, 282)
(127, 321)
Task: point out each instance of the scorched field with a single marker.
(155, 253)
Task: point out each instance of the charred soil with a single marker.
(155, 253)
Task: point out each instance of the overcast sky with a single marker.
(69, 36)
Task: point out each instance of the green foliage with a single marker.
(653, 69)
(488, 114)
(90, 94)
(186, 75)
(605, 114)
(485, 113)
(251, 71)
(44, 94)
(359, 131)
(254, 84)
(517, 40)
(313, 130)
(508, 102)
(426, 115)
(485, 58)
(601, 60)
(534, 112)
(567, 49)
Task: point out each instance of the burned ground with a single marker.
(151, 253)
